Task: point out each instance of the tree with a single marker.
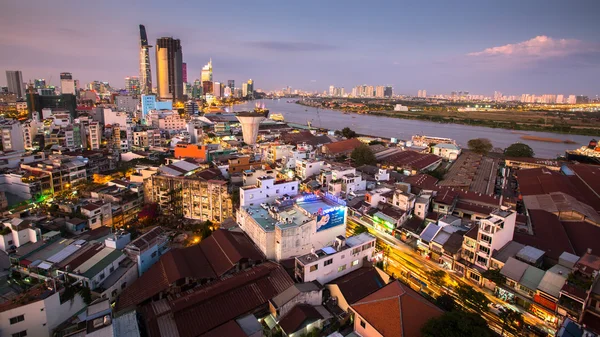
(457, 324)
(512, 321)
(480, 145)
(519, 150)
(436, 276)
(472, 298)
(347, 132)
(494, 275)
(445, 302)
(362, 155)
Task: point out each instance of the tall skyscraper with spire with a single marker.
(169, 68)
(207, 74)
(145, 71)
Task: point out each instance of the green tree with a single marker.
(519, 150)
(436, 276)
(457, 324)
(445, 302)
(494, 275)
(512, 321)
(362, 155)
(347, 132)
(472, 298)
(480, 145)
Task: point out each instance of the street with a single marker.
(404, 263)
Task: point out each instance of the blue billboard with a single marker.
(330, 217)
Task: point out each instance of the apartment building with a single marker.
(490, 234)
(343, 256)
(12, 135)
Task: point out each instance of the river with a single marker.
(404, 129)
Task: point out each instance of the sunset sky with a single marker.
(479, 46)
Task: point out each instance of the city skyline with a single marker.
(548, 47)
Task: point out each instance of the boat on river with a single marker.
(589, 154)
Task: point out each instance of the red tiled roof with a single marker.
(412, 159)
(204, 308)
(296, 318)
(446, 197)
(224, 249)
(583, 235)
(342, 146)
(549, 235)
(423, 181)
(210, 259)
(229, 329)
(396, 311)
(359, 283)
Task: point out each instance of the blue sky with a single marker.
(480, 46)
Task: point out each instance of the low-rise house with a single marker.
(147, 249)
(447, 151)
(356, 285)
(405, 312)
(303, 319)
(310, 293)
(16, 233)
(331, 262)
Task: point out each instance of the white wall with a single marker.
(267, 192)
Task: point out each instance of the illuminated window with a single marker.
(341, 268)
(354, 263)
(314, 267)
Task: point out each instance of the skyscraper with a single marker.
(145, 71)
(217, 89)
(184, 72)
(231, 84)
(388, 91)
(169, 68)
(67, 85)
(14, 80)
(207, 70)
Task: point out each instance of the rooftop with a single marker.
(324, 252)
(357, 284)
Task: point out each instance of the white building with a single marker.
(166, 120)
(306, 168)
(400, 107)
(289, 227)
(342, 180)
(12, 135)
(18, 233)
(94, 135)
(493, 232)
(446, 151)
(98, 214)
(266, 190)
(335, 260)
(37, 312)
(114, 117)
(404, 200)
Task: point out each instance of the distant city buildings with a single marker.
(145, 70)
(67, 84)
(169, 68)
(14, 80)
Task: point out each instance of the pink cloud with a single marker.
(539, 47)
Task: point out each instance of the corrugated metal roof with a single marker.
(553, 280)
(514, 269)
(532, 277)
(65, 252)
(94, 259)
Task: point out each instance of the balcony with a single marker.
(572, 306)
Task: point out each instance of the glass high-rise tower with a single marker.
(145, 71)
(169, 68)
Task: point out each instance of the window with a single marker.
(101, 276)
(17, 319)
(10, 242)
(363, 324)
(314, 267)
(356, 250)
(354, 263)
(482, 260)
(484, 249)
(42, 309)
(475, 277)
(342, 268)
(112, 268)
(20, 334)
(153, 254)
(328, 262)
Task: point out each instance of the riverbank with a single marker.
(513, 123)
